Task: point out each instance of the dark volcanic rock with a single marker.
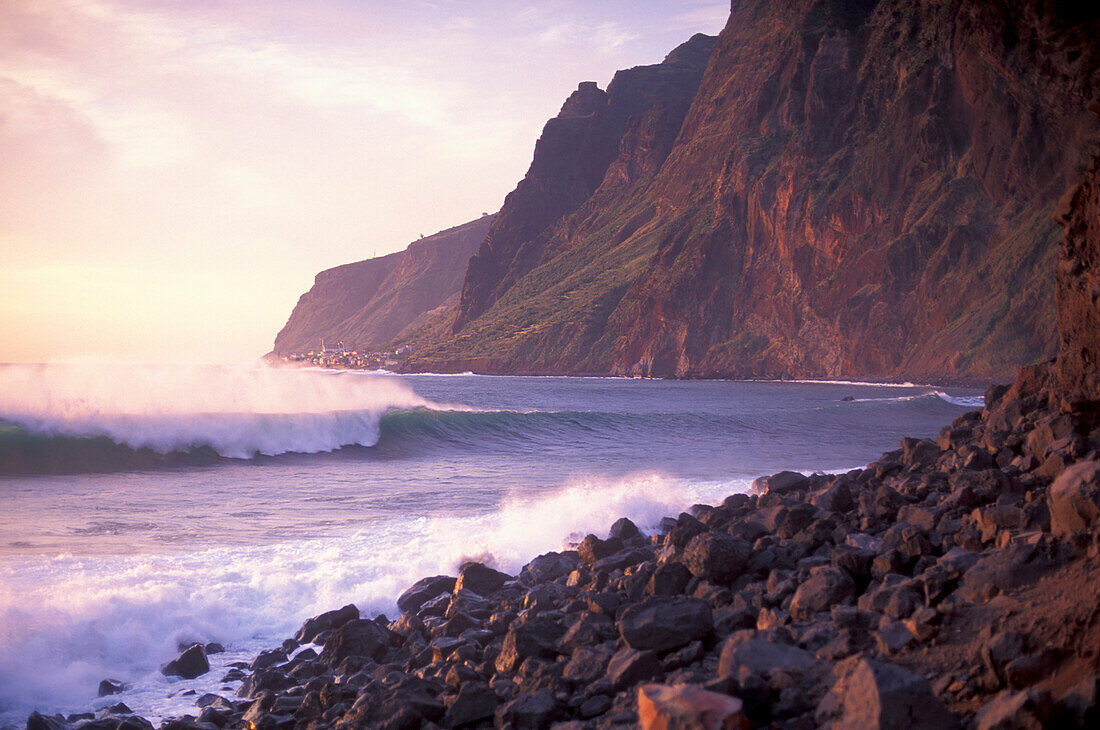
(189, 664)
(110, 687)
(326, 622)
(871, 694)
(826, 587)
(659, 623)
(717, 557)
(480, 579)
(423, 591)
(356, 638)
(632, 666)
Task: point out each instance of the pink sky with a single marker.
(173, 174)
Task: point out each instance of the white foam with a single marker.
(66, 623)
(237, 411)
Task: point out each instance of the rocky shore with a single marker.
(952, 583)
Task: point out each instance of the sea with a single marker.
(147, 507)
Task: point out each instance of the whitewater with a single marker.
(144, 507)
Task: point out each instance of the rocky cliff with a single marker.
(858, 189)
(572, 157)
(368, 303)
(1077, 370)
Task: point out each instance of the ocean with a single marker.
(144, 507)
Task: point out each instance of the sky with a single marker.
(173, 174)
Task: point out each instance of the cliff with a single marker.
(856, 190)
(367, 304)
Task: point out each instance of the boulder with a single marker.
(624, 529)
(593, 548)
(110, 687)
(535, 638)
(359, 637)
(480, 579)
(327, 621)
(548, 567)
(661, 623)
(629, 666)
(781, 483)
(661, 707)
(475, 701)
(742, 655)
(716, 557)
(826, 587)
(872, 695)
(587, 664)
(189, 664)
(529, 710)
(1074, 498)
(685, 528)
(669, 579)
(423, 591)
(999, 570)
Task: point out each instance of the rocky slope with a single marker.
(367, 304)
(859, 189)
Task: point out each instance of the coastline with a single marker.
(942, 580)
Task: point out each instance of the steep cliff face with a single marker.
(369, 303)
(1077, 370)
(859, 189)
(570, 161)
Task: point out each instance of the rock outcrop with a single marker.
(859, 189)
(369, 303)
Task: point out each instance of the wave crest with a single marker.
(235, 412)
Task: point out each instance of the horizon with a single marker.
(177, 176)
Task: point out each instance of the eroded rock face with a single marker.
(1075, 498)
(1077, 279)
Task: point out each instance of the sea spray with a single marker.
(237, 412)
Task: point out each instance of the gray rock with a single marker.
(529, 710)
(716, 557)
(587, 664)
(189, 664)
(661, 623)
(423, 591)
(327, 621)
(872, 695)
(757, 656)
(548, 567)
(536, 638)
(474, 701)
(480, 579)
(629, 666)
(781, 483)
(624, 529)
(359, 637)
(826, 587)
(110, 687)
(669, 579)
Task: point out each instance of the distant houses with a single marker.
(340, 357)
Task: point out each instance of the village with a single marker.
(340, 357)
